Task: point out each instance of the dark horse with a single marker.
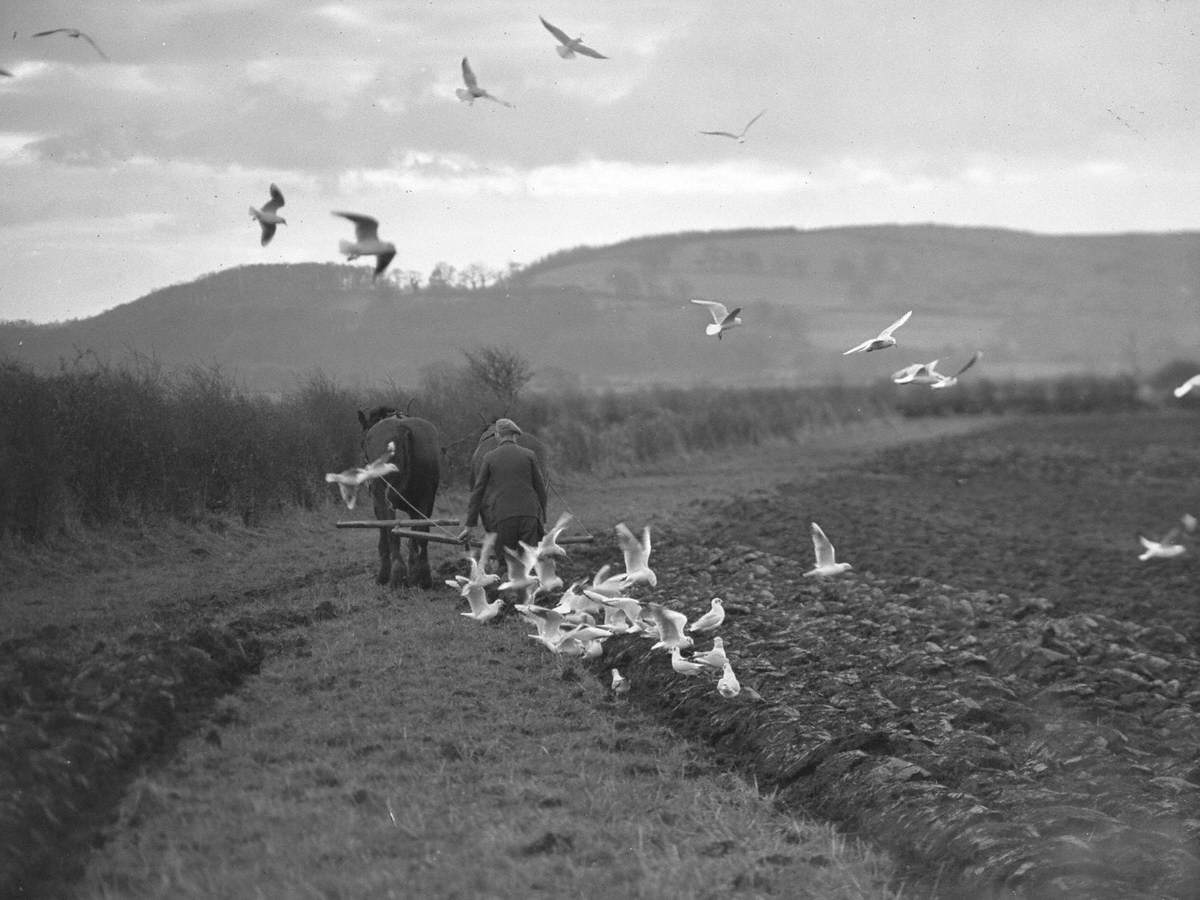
(406, 494)
(488, 441)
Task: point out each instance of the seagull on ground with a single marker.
(881, 341)
(349, 480)
(827, 563)
(711, 619)
(722, 318)
(917, 373)
(620, 684)
(728, 687)
(715, 656)
(473, 91)
(945, 381)
(1166, 547)
(1187, 385)
(75, 33)
(740, 137)
(685, 666)
(267, 217)
(637, 555)
(569, 46)
(366, 242)
(670, 624)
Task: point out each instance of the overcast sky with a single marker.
(120, 177)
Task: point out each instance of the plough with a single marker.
(407, 528)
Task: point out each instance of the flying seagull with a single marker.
(1165, 548)
(348, 481)
(881, 341)
(827, 563)
(671, 625)
(75, 33)
(267, 217)
(945, 381)
(722, 318)
(917, 373)
(569, 46)
(1187, 385)
(366, 242)
(637, 555)
(473, 91)
(740, 137)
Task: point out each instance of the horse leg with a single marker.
(418, 560)
(399, 573)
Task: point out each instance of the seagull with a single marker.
(473, 91)
(609, 586)
(620, 684)
(728, 687)
(711, 619)
(881, 341)
(637, 555)
(827, 563)
(685, 666)
(1187, 385)
(548, 545)
(1189, 522)
(945, 381)
(714, 657)
(348, 481)
(75, 33)
(723, 319)
(740, 137)
(366, 242)
(917, 373)
(569, 45)
(546, 572)
(572, 601)
(474, 587)
(627, 607)
(671, 625)
(267, 217)
(1165, 548)
(520, 568)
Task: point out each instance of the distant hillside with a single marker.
(619, 315)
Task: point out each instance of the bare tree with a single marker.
(501, 370)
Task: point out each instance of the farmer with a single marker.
(509, 494)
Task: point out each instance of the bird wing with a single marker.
(6, 73)
(558, 33)
(276, 200)
(887, 332)
(715, 308)
(722, 134)
(970, 362)
(733, 314)
(268, 232)
(496, 99)
(1187, 385)
(382, 260)
(95, 46)
(588, 51)
(365, 228)
(468, 75)
(631, 548)
(751, 122)
(863, 346)
(52, 31)
(821, 546)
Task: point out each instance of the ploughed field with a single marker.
(999, 693)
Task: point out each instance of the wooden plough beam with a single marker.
(406, 528)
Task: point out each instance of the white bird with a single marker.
(267, 217)
(521, 568)
(545, 570)
(714, 657)
(637, 555)
(349, 480)
(881, 341)
(474, 587)
(1187, 385)
(728, 687)
(711, 619)
(569, 46)
(827, 563)
(473, 91)
(917, 373)
(75, 33)
(1165, 548)
(620, 684)
(685, 666)
(366, 242)
(722, 318)
(625, 607)
(670, 624)
(548, 545)
(740, 137)
(572, 601)
(945, 381)
(609, 586)
(1189, 522)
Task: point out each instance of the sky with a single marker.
(122, 176)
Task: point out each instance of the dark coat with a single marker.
(509, 483)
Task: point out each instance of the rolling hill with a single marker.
(618, 316)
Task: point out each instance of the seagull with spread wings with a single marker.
(569, 46)
(75, 33)
(945, 381)
(473, 91)
(637, 555)
(740, 137)
(827, 563)
(881, 341)
(1187, 386)
(722, 317)
(366, 242)
(267, 217)
(348, 481)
